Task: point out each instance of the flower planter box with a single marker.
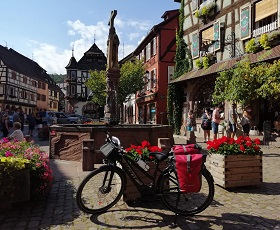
(235, 170)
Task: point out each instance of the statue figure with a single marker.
(112, 43)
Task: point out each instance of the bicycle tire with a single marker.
(94, 197)
(188, 203)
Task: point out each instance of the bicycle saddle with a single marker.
(160, 156)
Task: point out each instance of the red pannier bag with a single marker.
(188, 163)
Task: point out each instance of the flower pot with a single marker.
(235, 170)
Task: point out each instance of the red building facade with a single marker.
(158, 52)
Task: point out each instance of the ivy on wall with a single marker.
(182, 65)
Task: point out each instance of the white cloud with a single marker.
(54, 60)
(132, 36)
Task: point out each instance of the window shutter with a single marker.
(155, 46)
(170, 73)
(217, 38)
(245, 22)
(195, 45)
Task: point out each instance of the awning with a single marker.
(263, 55)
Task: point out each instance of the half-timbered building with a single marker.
(77, 94)
(217, 31)
(23, 82)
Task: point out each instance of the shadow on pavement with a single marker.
(265, 188)
(147, 219)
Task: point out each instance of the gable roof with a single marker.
(93, 59)
(21, 64)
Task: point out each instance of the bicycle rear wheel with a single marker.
(186, 203)
(95, 194)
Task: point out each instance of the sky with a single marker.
(47, 31)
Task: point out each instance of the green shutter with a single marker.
(245, 22)
(217, 34)
(195, 45)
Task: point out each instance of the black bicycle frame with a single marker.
(127, 164)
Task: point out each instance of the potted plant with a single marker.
(264, 42)
(35, 161)
(205, 62)
(205, 11)
(14, 180)
(252, 46)
(198, 63)
(235, 163)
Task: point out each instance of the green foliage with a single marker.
(205, 62)
(205, 11)
(97, 84)
(264, 42)
(131, 79)
(252, 46)
(182, 65)
(198, 63)
(247, 82)
(58, 78)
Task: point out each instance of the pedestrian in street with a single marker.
(5, 125)
(191, 122)
(245, 121)
(17, 135)
(232, 117)
(206, 124)
(22, 120)
(31, 123)
(39, 122)
(16, 116)
(216, 119)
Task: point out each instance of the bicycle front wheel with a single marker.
(100, 190)
(186, 203)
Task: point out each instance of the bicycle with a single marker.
(102, 188)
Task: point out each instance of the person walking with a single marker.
(191, 123)
(22, 120)
(216, 119)
(206, 124)
(16, 116)
(245, 121)
(5, 125)
(232, 117)
(31, 123)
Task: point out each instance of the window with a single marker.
(43, 97)
(154, 49)
(73, 89)
(148, 51)
(73, 75)
(38, 97)
(39, 85)
(153, 79)
(43, 86)
(170, 73)
(14, 75)
(24, 80)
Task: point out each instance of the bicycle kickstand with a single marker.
(174, 224)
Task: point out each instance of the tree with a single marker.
(131, 81)
(247, 82)
(97, 84)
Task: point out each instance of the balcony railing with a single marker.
(265, 29)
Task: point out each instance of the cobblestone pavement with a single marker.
(242, 208)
